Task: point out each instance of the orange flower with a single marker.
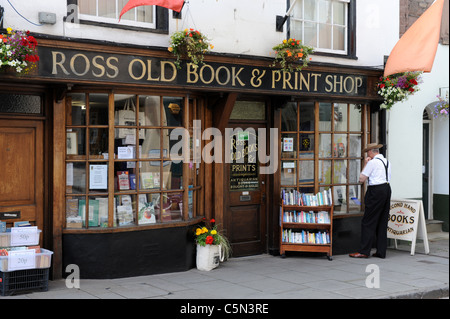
(289, 53)
(300, 55)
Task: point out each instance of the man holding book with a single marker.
(377, 173)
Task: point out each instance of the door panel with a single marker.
(22, 169)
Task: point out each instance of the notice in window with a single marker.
(98, 176)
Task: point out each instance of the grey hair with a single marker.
(376, 150)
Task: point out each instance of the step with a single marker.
(434, 226)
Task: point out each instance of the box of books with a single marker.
(20, 258)
(20, 236)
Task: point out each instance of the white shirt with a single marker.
(376, 171)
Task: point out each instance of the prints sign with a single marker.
(406, 222)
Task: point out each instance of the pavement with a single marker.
(399, 276)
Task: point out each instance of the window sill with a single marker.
(122, 27)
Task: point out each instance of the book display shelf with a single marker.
(306, 222)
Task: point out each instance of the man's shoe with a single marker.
(377, 255)
(358, 255)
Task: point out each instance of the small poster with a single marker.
(98, 176)
(288, 144)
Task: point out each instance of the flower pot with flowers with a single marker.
(398, 87)
(18, 51)
(189, 44)
(212, 246)
(441, 107)
(292, 55)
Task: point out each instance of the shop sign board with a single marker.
(82, 65)
(407, 222)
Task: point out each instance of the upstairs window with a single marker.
(326, 25)
(108, 11)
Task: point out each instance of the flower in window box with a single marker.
(18, 51)
(291, 55)
(189, 44)
(398, 87)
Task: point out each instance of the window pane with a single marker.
(340, 117)
(324, 36)
(298, 10)
(248, 110)
(288, 172)
(98, 177)
(151, 145)
(147, 208)
(76, 178)
(172, 175)
(310, 10)
(325, 117)
(340, 172)
(78, 114)
(107, 8)
(125, 209)
(296, 29)
(324, 172)
(76, 141)
(173, 109)
(340, 199)
(150, 105)
(355, 195)
(145, 14)
(340, 145)
(310, 34)
(306, 145)
(88, 7)
(354, 149)
(307, 116)
(338, 38)
(325, 145)
(354, 171)
(98, 109)
(129, 15)
(20, 103)
(289, 117)
(150, 175)
(73, 217)
(339, 12)
(173, 205)
(325, 11)
(355, 117)
(306, 172)
(288, 145)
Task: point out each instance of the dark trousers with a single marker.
(375, 220)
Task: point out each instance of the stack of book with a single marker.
(306, 199)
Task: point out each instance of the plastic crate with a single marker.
(5, 240)
(23, 281)
(42, 260)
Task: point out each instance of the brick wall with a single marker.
(411, 10)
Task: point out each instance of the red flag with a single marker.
(416, 49)
(175, 5)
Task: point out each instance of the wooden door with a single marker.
(21, 171)
(246, 194)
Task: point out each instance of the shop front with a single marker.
(129, 152)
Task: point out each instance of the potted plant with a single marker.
(212, 246)
(292, 55)
(398, 87)
(441, 108)
(189, 44)
(18, 51)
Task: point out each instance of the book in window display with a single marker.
(92, 213)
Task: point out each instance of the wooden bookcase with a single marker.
(311, 226)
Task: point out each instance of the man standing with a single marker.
(377, 171)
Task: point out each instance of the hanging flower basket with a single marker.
(398, 87)
(441, 108)
(18, 51)
(291, 55)
(189, 44)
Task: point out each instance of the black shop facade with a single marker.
(121, 190)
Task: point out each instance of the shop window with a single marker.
(120, 171)
(326, 25)
(323, 151)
